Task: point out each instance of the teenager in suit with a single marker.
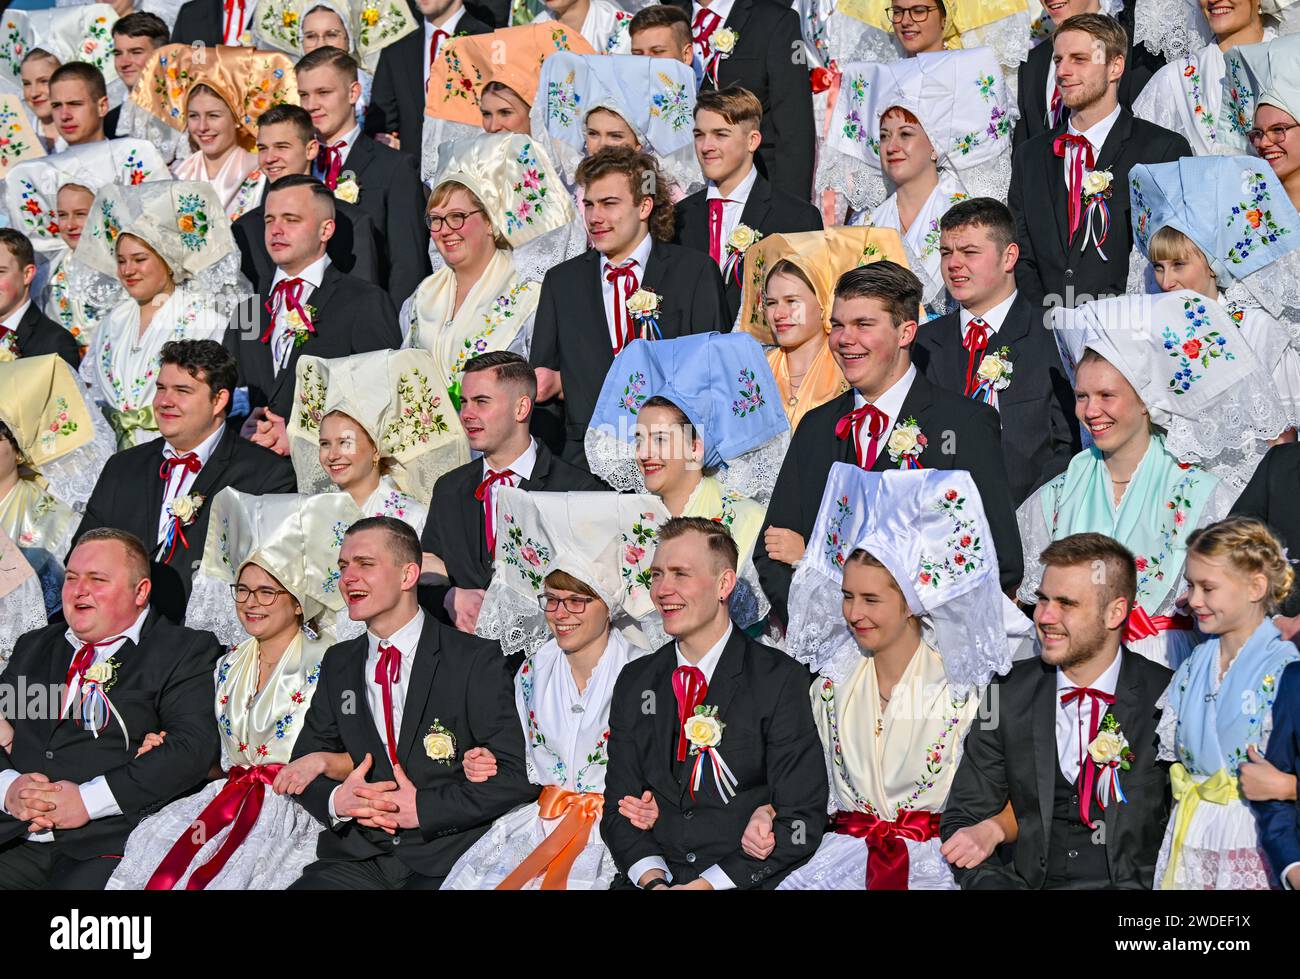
(72, 789)
(286, 143)
(497, 394)
(311, 307)
(197, 456)
(663, 31)
(1060, 260)
(1270, 782)
(135, 38)
(879, 424)
(727, 135)
(766, 36)
(213, 22)
(583, 317)
(996, 348)
(769, 745)
(431, 695)
(396, 107)
(1033, 749)
(24, 330)
(386, 183)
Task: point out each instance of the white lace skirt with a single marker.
(272, 856)
(840, 864)
(511, 839)
(1221, 850)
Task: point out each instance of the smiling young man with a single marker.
(407, 812)
(727, 135)
(497, 394)
(196, 457)
(662, 31)
(24, 329)
(135, 38)
(995, 328)
(1030, 747)
(878, 424)
(769, 744)
(79, 99)
(73, 789)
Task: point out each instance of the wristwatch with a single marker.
(654, 882)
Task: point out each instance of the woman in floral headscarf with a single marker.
(1263, 86)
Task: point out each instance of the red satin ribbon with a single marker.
(853, 422)
(230, 13)
(887, 862)
(1143, 626)
(1087, 767)
(976, 342)
(291, 290)
(1074, 186)
(388, 670)
(706, 22)
(484, 495)
(622, 319)
(178, 535)
(334, 163)
(690, 688)
(715, 227)
(239, 802)
(189, 461)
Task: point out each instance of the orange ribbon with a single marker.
(556, 854)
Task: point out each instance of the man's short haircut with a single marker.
(143, 24)
(402, 542)
(662, 15)
(895, 287)
(204, 360)
(136, 553)
(1100, 27)
(1105, 554)
(510, 369)
(35, 54)
(294, 115)
(321, 195)
(982, 212)
(644, 180)
(328, 57)
(722, 546)
(19, 246)
(735, 104)
(80, 71)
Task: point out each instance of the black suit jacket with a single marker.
(1039, 432)
(571, 333)
(393, 197)
(397, 96)
(129, 495)
(770, 743)
(352, 317)
(110, 122)
(1050, 265)
(1011, 757)
(163, 684)
(459, 681)
(1270, 496)
(975, 445)
(353, 249)
(39, 335)
(768, 209)
(765, 62)
(199, 20)
(1279, 820)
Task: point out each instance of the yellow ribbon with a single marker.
(1220, 788)
(126, 422)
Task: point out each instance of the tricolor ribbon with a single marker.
(95, 709)
(648, 322)
(1108, 787)
(985, 393)
(175, 531)
(723, 777)
(1096, 211)
(731, 268)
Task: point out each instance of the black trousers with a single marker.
(42, 866)
(382, 873)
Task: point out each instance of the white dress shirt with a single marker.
(641, 255)
(1095, 136)
(1074, 720)
(322, 159)
(732, 210)
(281, 336)
(96, 796)
(720, 7)
(448, 25)
(236, 27)
(13, 319)
(715, 875)
(181, 480)
(993, 319)
(521, 467)
(891, 403)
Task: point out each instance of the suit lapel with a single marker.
(1056, 188)
(541, 470)
(27, 326)
(319, 299)
(1043, 717)
(217, 466)
(1015, 327)
(592, 271)
(758, 205)
(359, 160)
(919, 397)
(695, 221)
(363, 716)
(157, 487)
(722, 688)
(1128, 709)
(419, 688)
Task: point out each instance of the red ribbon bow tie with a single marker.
(484, 495)
(976, 342)
(622, 318)
(189, 462)
(690, 688)
(853, 422)
(1074, 185)
(287, 294)
(334, 163)
(1087, 767)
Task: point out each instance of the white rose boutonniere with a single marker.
(1111, 754)
(994, 373)
(6, 354)
(906, 442)
(643, 306)
(105, 674)
(303, 329)
(347, 191)
(703, 729)
(1093, 195)
(92, 706)
(185, 508)
(440, 743)
(1097, 183)
(724, 41)
(738, 243)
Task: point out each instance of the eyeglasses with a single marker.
(333, 38)
(575, 604)
(264, 596)
(1276, 134)
(918, 14)
(455, 220)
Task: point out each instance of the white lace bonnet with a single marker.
(861, 30)
(927, 527)
(371, 25)
(398, 397)
(81, 33)
(1174, 29)
(22, 604)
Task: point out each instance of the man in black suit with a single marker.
(151, 489)
(71, 783)
(213, 21)
(1030, 745)
(311, 307)
(24, 329)
(396, 109)
(382, 182)
(726, 137)
(1041, 108)
(1060, 260)
(1270, 496)
(583, 317)
(768, 61)
(873, 329)
(497, 394)
(769, 742)
(286, 143)
(135, 38)
(1035, 400)
(452, 693)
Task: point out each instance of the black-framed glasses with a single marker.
(1276, 134)
(263, 596)
(918, 14)
(574, 604)
(455, 220)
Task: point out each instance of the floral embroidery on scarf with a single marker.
(526, 555)
(672, 104)
(12, 147)
(751, 394)
(311, 398)
(963, 549)
(192, 221)
(529, 190)
(1259, 227)
(636, 573)
(562, 101)
(418, 416)
(1197, 346)
(835, 543)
